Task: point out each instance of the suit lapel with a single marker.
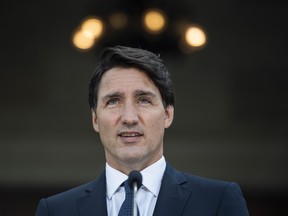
(93, 203)
(172, 196)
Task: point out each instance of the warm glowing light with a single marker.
(195, 36)
(154, 21)
(81, 40)
(92, 28)
(118, 20)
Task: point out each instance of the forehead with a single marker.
(125, 80)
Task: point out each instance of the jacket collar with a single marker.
(173, 196)
(93, 202)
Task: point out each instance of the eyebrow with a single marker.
(144, 93)
(112, 95)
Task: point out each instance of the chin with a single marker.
(134, 158)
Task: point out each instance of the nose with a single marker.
(129, 114)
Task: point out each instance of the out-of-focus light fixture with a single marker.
(195, 36)
(154, 21)
(81, 41)
(92, 27)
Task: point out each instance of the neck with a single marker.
(126, 167)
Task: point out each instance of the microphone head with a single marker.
(135, 176)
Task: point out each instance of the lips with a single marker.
(130, 136)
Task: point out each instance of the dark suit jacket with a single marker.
(180, 194)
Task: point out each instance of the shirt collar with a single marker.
(115, 179)
(152, 177)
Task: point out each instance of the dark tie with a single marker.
(127, 206)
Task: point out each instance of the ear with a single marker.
(169, 115)
(95, 121)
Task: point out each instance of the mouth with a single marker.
(130, 136)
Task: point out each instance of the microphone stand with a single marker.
(135, 188)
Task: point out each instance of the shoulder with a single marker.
(194, 182)
(69, 202)
(223, 196)
(207, 188)
(64, 203)
(73, 194)
(203, 185)
(203, 182)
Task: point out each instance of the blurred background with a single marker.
(228, 60)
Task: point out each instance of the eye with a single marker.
(112, 101)
(144, 101)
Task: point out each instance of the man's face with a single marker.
(131, 119)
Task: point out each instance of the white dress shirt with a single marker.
(146, 196)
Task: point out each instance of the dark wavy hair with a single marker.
(128, 57)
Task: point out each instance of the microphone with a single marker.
(135, 182)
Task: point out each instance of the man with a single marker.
(132, 102)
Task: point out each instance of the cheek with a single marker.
(103, 126)
(156, 123)
(106, 123)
